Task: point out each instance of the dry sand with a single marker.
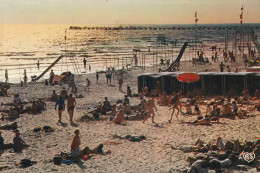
(151, 155)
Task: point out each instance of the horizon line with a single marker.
(123, 24)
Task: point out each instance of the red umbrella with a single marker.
(188, 77)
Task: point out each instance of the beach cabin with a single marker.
(210, 83)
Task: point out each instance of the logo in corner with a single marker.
(249, 157)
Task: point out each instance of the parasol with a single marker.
(188, 77)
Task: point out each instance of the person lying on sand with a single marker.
(199, 121)
(130, 138)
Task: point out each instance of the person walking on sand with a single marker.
(75, 150)
(6, 76)
(61, 107)
(71, 104)
(175, 106)
(150, 105)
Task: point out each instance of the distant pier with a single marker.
(213, 27)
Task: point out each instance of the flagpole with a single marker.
(196, 34)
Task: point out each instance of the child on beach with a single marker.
(150, 106)
(197, 110)
(188, 109)
(235, 107)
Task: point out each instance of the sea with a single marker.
(22, 46)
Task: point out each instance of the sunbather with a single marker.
(120, 118)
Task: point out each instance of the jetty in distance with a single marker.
(159, 27)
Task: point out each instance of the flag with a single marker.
(241, 16)
(242, 8)
(196, 14)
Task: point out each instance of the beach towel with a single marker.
(67, 162)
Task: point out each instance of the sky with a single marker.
(127, 11)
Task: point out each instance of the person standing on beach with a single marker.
(6, 76)
(24, 77)
(87, 85)
(71, 104)
(61, 107)
(75, 150)
(85, 62)
(38, 64)
(51, 76)
(108, 76)
(221, 67)
(97, 76)
(120, 81)
(150, 105)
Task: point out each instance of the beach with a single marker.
(154, 154)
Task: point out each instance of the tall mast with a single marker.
(196, 34)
